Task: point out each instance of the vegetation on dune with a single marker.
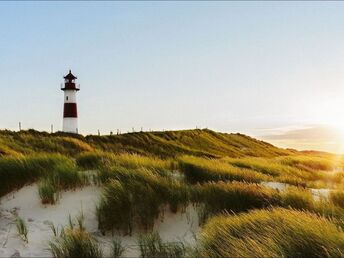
(152, 246)
(74, 241)
(63, 177)
(96, 160)
(232, 197)
(295, 170)
(22, 229)
(337, 198)
(297, 198)
(55, 171)
(143, 174)
(137, 196)
(163, 144)
(117, 249)
(15, 172)
(47, 192)
(271, 233)
(202, 170)
(31, 141)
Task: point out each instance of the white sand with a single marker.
(26, 202)
(275, 185)
(322, 193)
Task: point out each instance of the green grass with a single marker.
(337, 198)
(203, 170)
(297, 198)
(74, 241)
(232, 197)
(142, 174)
(96, 160)
(15, 172)
(22, 229)
(47, 192)
(271, 233)
(162, 144)
(137, 195)
(117, 249)
(63, 176)
(299, 170)
(152, 246)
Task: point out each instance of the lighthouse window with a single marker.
(67, 98)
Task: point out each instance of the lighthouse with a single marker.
(70, 111)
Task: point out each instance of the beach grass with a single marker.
(271, 233)
(198, 170)
(152, 246)
(15, 172)
(22, 229)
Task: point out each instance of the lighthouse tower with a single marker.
(70, 112)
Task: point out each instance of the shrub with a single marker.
(271, 233)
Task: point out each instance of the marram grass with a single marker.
(152, 246)
(22, 229)
(203, 170)
(137, 197)
(63, 176)
(271, 233)
(48, 192)
(74, 241)
(337, 198)
(15, 172)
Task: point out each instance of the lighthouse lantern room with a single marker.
(70, 111)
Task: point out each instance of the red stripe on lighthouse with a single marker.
(70, 110)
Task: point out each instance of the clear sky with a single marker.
(274, 70)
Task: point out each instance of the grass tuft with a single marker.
(48, 192)
(152, 246)
(74, 241)
(117, 248)
(22, 229)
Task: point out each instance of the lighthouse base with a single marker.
(70, 125)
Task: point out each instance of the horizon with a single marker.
(269, 70)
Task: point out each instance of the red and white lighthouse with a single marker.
(70, 111)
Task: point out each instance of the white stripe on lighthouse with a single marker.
(70, 124)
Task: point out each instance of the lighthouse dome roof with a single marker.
(70, 76)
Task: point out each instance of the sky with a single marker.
(272, 70)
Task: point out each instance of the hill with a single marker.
(163, 144)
